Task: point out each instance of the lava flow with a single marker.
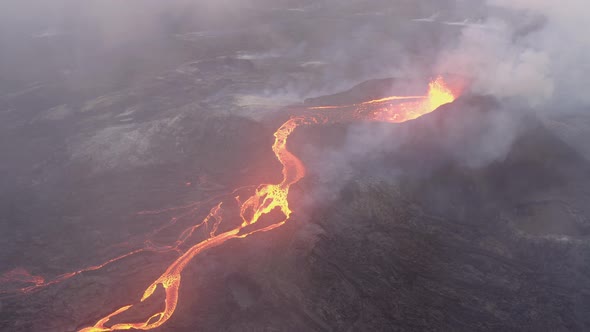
(265, 199)
(438, 95)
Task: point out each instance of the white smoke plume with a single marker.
(526, 53)
(531, 50)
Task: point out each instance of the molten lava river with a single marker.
(263, 200)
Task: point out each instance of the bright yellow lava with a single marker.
(439, 94)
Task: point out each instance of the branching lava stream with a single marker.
(266, 198)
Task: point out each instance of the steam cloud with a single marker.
(528, 54)
(527, 49)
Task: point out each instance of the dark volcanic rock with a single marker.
(474, 217)
(448, 247)
(467, 235)
(499, 245)
(372, 89)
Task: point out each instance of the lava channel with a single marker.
(265, 199)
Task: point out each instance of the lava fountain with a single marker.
(265, 199)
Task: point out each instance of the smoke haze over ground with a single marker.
(530, 55)
(525, 49)
(115, 116)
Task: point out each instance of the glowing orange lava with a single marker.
(438, 95)
(400, 108)
(265, 199)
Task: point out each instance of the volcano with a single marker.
(258, 165)
(439, 230)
